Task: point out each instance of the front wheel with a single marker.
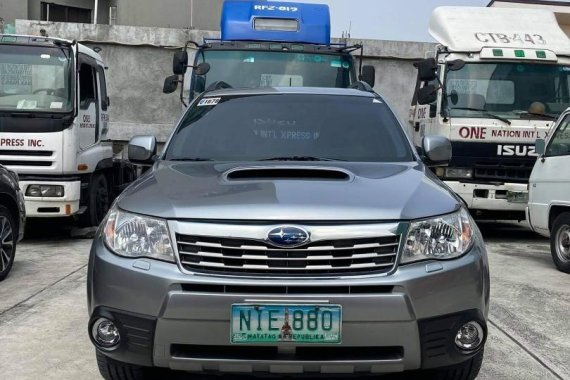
(98, 201)
(8, 238)
(560, 242)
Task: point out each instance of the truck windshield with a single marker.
(509, 90)
(35, 78)
(251, 69)
(290, 127)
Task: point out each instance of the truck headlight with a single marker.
(46, 191)
(441, 238)
(458, 173)
(135, 236)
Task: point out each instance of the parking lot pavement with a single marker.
(43, 311)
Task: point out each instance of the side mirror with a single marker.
(202, 69)
(540, 146)
(142, 149)
(180, 62)
(427, 69)
(427, 94)
(368, 75)
(170, 84)
(437, 150)
(456, 65)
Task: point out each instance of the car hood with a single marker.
(354, 192)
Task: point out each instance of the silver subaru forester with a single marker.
(289, 231)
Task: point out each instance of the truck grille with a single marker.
(518, 171)
(243, 256)
(26, 158)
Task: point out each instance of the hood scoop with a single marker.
(288, 173)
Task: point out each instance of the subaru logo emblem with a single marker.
(288, 236)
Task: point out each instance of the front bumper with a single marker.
(44, 207)
(184, 320)
(489, 197)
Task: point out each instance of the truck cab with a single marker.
(497, 82)
(53, 127)
(267, 44)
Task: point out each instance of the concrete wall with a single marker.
(140, 58)
(170, 14)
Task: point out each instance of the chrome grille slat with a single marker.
(314, 258)
(351, 255)
(310, 267)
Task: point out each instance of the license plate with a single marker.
(517, 196)
(286, 323)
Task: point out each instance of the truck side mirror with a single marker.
(437, 150)
(142, 149)
(368, 75)
(427, 69)
(180, 62)
(540, 146)
(202, 69)
(170, 84)
(455, 65)
(427, 94)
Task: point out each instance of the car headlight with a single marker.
(441, 238)
(132, 235)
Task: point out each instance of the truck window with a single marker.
(102, 88)
(35, 78)
(511, 90)
(250, 69)
(560, 143)
(87, 89)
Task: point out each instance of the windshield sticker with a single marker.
(27, 104)
(286, 135)
(207, 102)
(45, 56)
(56, 105)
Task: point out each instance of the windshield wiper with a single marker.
(485, 112)
(192, 159)
(543, 115)
(300, 158)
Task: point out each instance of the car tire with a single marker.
(8, 240)
(98, 202)
(464, 371)
(113, 370)
(560, 242)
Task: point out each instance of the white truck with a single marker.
(53, 128)
(498, 80)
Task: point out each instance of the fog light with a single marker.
(105, 333)
(470, 336)
(48, 191)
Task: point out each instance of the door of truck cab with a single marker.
(92, 103)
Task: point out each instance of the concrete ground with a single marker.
(43, 314)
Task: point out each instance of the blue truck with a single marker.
(267, 43)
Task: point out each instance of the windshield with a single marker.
(251, 69)
(509, 90)
(35, 78)
(289, 126)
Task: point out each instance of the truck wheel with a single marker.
(560, 242)
(113, 370)
(7, 241)
(464, 371)
(97, 203)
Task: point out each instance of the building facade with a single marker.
(191, 14)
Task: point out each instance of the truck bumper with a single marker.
(490, 197)
(44, 207)
(178, 321)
